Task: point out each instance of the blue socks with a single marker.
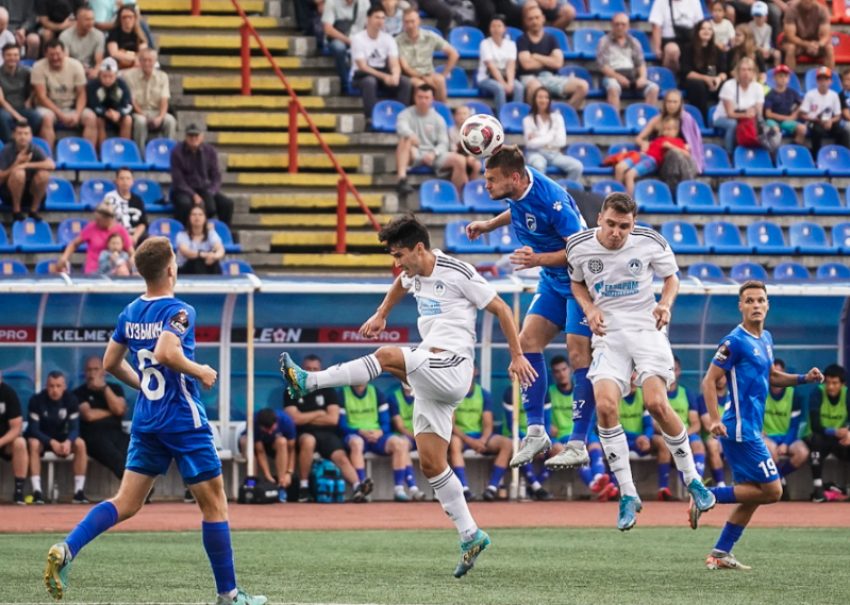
(496, 476)
(460, 471)
(663, 475)
(528, 473)
(100, 518)
(409, 476)
(534, 396)
(597, 462)
(724, 495)
(786, 468)
(398, 477)
(361, 475)
(717, 475)
(584, 405)
(217, 544)
(586, 474)
(730, 534)
(699, 463)
(544, 475)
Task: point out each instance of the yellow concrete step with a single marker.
(218, 41)
(267, 120)
(352, 219)
(349, 161)
(210, 22)
(194, 83)
(216, 62)
(207, 6)
(253, 102)
(311, 200)
(278, 139)
(324, 238)
(300, 179)
(338, 261)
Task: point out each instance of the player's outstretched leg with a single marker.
(584, 403)
(301, 382)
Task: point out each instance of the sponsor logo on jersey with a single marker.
(439, 288)
(723, 352)
(595, 265)
(428, 307)
(557, 206)
(530, 222)
(180, 322)
(627, 288)
(635, 266)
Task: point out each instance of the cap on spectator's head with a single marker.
(781, 69)
(759, 9)
(105, 208)
(823, 72)
(193, 128)
(109, 64)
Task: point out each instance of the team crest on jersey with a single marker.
(595, 265)
(320, 401)
(439, 289)
(531, 222)
(63, 413)
(180, 322)
(635, 266)
(2, 408)
(723, 352)
(557, 206)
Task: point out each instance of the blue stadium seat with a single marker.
(571, 119)
(511, 115)
(167, 227)
(603, 118)
(38, 141)
(577, 71)
(833, 271)
(466, 41)
(655, 196)
(43, 267)
(117, 152)
(385, 115)
(696, 114)
(226, 236)
(582, 14)
(705, 271)
(810, 238)
(767, 238)
(476, 198)
(835, 160)
(75, 153)
(457, 83)
(151, 194)
(791, 272)
(643, 40)
(841, 237)
(780, 198)
(697, 198)
(585, 41)
(478, 107)
(745, 271)
(755, 162)
(563, 42)
(570, 184)
(606, 187)
(822, 198)
(158, 153)
(717, 162)
(663, 77)
(34, 236)
(682, 237)
(437, 195)
(590, 157)
(640, 9)
(444, 111)
(68, 231)
(737, 197)
(12, 267)
(93, 190)
(504, 239)
(61, 196)
(616, 148)
(606, 9)
(812, 80)
(457, 241)
(797, 161)
(638, 115)
(794, 82)
(5, 246)
(236, 267)
(512, 33)
(723, 237)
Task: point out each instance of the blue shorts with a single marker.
(646, 165)
(378, 447)
(749, 460)
(412, 442)
(477, 436)
(554, 301)
(194, 452)
(632, 447)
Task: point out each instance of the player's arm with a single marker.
(398, 426)
(668, 296)
(527, 258)
(709, 393)
(486, 426)
(300, 418)
(783, 379)
(115, 362)
(595, 317)
(378, 322)
(476, 229)
(694, 424)
(169, 353)
(329, 418)
(16, 427)
(796, 418)
(519, 368)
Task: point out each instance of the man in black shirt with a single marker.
(24, 172)
(316, 417)
(102, 408)
(54, 16)
(17, 93)
(12, 445)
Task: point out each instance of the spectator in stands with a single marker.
(102, 410)
(672, 22)
(24, 23)
(54, 16)
(782, 106)
(416, 48)
(13, 446)
(545, 137)
(829, 424)
(196, 179)
(60, 93)
(807, 32)
(394, 14)
(843, 96)
(473, 165)
(703, 69)
(199, 247)
(744, 45)
(375, 64)
(84, 42)
(24, 173)
(274, 437)
(821, 110)
(105, 12)
(559, 13)
(7, 36)
(741, 97)
(540, 57)
(316, 417)
(96, 235)
(723, 28)
(620, 59)
(439, 10)
(126, 39)
(129, 207)
(712, 444)
(17, 94)
(668, 141)
(54, 426)
(114, 261)
(342, 20)
(782, 418)
(424, 141)
(673, 106)
(763, 34)
(109, 98)
(497, 66)
(401, 415)
(150, 92)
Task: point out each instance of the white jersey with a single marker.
(448, 301)
(620, 281)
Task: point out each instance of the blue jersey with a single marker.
(168, 401)
(543, 217)
(747, 361)
(285, 428)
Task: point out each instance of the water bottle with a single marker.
(281, 495)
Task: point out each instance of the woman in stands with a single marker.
(703, 69)
(673, 107)
(497, 66)
(126, 39)
(740, 98)
(744, 45)
(199, 248)
(545, 137)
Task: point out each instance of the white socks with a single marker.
(359, 371)
(680, 447)
(36, 483)
(79, 483)
(304, 483)
(616, 449)
(536, 430)
(449, 492)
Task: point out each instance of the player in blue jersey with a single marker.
(543, 216)
(745, 356)
(169, 423)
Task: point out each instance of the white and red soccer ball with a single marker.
(481, 136)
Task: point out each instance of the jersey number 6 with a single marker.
(149, 373)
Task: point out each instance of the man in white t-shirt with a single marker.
(740, 97)
(611, 271)
(821, 109)
(374, 64)
(341, 21)
(497, 66)
(666, 16)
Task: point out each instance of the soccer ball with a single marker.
(481, 136)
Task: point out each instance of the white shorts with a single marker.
(620, 352)
(439, 381)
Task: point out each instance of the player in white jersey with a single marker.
(449, 293)
(611, 268)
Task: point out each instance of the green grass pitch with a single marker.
(647, 566)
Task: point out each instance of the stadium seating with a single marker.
(581, 10)
(616, 148)
(577, 71)
(841, 237)
(780, 198)
(38, 141)
(571, 119)
(767, 238)
(717, 162)
(606, 187)
(797, 161)
(603, 118)
(640, 9)
(437, 195)
(638, 115)
(812, 82)
(478, 107)
(723, 237)
(457, 241)
(563, 42)
(61, 196)
(385, 115)
(822, 198)
(794, 81)
(570, 184)
(504, 239)
(476, 198)
(444, 111)
(705, 271)
(151, 194)
(12, 267)
(696, 114)
(466, 41)
(511, 115)
(755, 162)
(585, 41)
(833, 271)
(457, 82)
(809, 238)
(682, 237)
(75, 153)
(835, 160)
(791, 271)
(158, 153)
(738, 197)
(43, 267)
(697, 197)
(34, 236)
(236, 267)
(167, 227)
(606, 9)
(841, 44)
(117, 152)
(663, 77)
(590, 157)
(93, 190)
(226, 236)
(5, 246)
(512, 33)
(68, 231)
(654, 196)
(745, 271)
(643, 40)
